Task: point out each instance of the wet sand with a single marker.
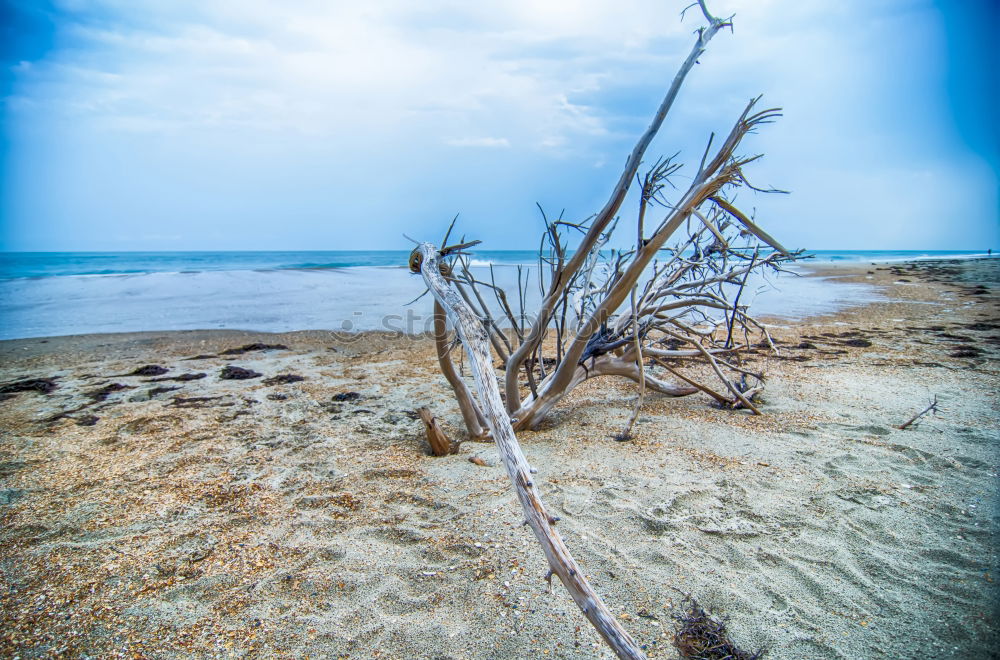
(260, 518)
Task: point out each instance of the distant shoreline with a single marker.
(346, 300)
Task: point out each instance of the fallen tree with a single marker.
(681, 301)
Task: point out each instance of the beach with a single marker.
(181, 513)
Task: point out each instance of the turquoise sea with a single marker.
(61, 293)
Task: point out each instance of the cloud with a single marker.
(318, 112)
(489, 142)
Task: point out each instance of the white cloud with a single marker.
(314, 68)
(328, 92)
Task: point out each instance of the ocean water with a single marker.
(50, 294)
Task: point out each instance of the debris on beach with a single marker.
(698, 636)
(40, 385)
(151, 393)
(183, 378)
(238, 373)
(149, 370)
(102, 393)
(196, 402)
(930, 409)
(281, 379)
(346, 396)
(96, 396)
(254, 347)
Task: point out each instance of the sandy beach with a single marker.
(176, 512)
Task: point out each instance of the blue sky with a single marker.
(259, 124)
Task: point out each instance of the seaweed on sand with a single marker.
(254, 347)
(149, 370)
(102, 393)
(283, 379)
(183, 378)
(238, 373)
(40, 385)
(698, 636)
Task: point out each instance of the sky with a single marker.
(329, 125)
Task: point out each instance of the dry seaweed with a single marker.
(183, 378)
(238, 373)
(283, 379)
(160, 390)
(149, 370)
(96, 396)
(40, 385)
(197, 402)
(102, 393)
(254, 347)
(698, 636)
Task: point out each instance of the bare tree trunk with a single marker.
(475, 339)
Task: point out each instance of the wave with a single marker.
(888, 256)
(317, 266)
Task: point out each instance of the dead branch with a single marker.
(470, 330)
(473, 417)
(931, 409)
(627, 433)
(606, 214)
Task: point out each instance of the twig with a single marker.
(626, 435)
(931, 409)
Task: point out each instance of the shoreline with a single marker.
(352, 299)
(295, 518)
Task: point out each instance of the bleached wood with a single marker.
(473, 417)
(474, 337)
(606, 214)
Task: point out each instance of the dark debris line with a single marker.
(40, 385)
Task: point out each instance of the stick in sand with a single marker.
(929, 409)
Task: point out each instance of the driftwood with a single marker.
(686, 313)
(671, 304)
(427, 261)
(436, 438)
(932, 408)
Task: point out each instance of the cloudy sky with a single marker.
(318, 124)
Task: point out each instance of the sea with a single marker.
(46, 294)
